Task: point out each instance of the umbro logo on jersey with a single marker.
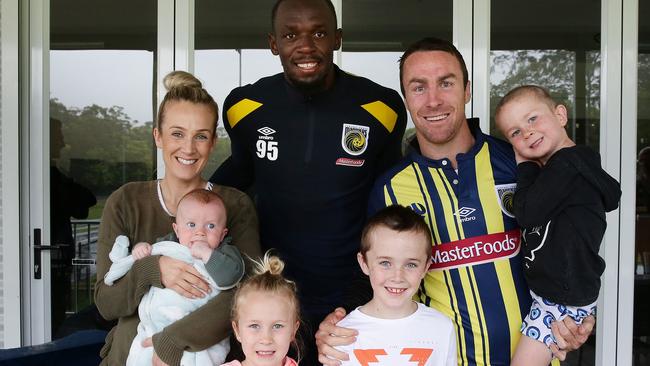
(266, 131)
(465, 211)
(266, 147)
(464, 214)
(505, 194)
(354, 138)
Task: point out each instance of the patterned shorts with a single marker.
(537, 324)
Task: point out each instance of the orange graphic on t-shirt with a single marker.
(420, 355)
(366, 356)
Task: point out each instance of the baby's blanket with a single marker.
(161, 307)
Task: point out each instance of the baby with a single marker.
(200, 226)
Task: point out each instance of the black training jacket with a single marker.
(311, 160)
(561, 208)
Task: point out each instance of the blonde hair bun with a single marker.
(269, 264)
(178, 79)
(267, 277)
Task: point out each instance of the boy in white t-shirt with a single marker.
(393, 329)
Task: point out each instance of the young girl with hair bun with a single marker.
(266, 316)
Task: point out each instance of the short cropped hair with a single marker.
(397, 218)
(432, 44)
(534, 90)
(274, 12)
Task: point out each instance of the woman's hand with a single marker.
(155, 360)
(183, 278)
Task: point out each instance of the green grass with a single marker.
(95, 212)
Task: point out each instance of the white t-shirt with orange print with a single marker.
(424, 338)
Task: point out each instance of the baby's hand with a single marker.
(201, 251)
(141, 250)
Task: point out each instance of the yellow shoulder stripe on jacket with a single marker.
(240, 110)
(384, 114)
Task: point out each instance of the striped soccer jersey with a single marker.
(475, 275)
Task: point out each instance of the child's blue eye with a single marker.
(532, 119)
(211, 226)
(411, 265)
(515, 133)
(278, 326)
(254, 326)
(191, 225)
(384, 264)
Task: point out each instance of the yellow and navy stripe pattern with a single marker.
(240, 110)
(486, 301)
(383, 113)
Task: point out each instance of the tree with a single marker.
(558, 71)
(104, 147)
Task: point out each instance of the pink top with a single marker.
(287, 362)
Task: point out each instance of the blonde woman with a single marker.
(186, 133)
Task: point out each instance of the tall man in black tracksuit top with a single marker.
(311, 141)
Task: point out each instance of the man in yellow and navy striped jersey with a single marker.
(461, 182)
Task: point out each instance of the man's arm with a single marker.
(392, 152)
(237, 170)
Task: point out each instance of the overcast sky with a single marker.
(124, 78)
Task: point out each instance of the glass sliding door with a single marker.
(559, 50)
(375, 34)
(536, 43)
(641, 327)
(102, 74)
(231, 50)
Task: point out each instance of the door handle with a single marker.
(38, 247)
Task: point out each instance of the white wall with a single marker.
(10, 327)
(2, 308)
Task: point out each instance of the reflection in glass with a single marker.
(102, 100)
(380, 67)
(221, 71)
(375, 34)
(558, 50)
(373, 26)
(231, 50)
